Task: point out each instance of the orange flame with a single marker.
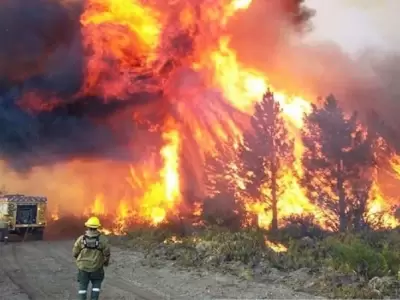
(162, 197)
(125, 38)
(277, 247)
(123, 31)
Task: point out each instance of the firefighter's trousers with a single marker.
(95, 278)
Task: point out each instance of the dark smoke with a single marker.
(40, 51)
(32, 32)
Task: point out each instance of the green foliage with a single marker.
(348, 254)
(392, 258)
(355, 255)
(298, 256)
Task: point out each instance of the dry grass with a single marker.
(337, 265)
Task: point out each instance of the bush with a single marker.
(342, 264)
(355, 292)
(348, 254)
(147, 238)
(298, 227)
(299, 256)
(245, 245)
(223, 211)
(352, 254)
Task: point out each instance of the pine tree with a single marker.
(222, 182)
(267, 152)
(337, 164)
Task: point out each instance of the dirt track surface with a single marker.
(45, 270)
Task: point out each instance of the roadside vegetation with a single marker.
(340, 265)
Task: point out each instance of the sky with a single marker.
(357, 24)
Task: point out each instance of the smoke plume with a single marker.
(46, 120)
(41, 63)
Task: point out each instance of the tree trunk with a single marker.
(342, 198)
(274, 197)
(360, 209)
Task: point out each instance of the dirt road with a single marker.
(45, 270)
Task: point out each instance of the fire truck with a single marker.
(26, 214)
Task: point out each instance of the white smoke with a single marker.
(357, 25)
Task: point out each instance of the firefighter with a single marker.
(4, 224)
(92, 253)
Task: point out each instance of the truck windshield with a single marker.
(26, 214)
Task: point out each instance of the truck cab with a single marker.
(26, 214)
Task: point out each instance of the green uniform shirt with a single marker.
(90, 260)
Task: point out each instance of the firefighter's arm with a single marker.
(77, 247)
(106, 252)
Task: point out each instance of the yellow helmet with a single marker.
(93, 222)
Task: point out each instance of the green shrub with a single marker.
(392, 258)
(345, 253)
(298, 256)
(355, 255)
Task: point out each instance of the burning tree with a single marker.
(267, 154)
(221, 180)
(338, 165)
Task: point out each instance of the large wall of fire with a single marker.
(118, 102)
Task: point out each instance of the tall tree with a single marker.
(338, 162)
(221, 169)
(267, 153)
(222, 181)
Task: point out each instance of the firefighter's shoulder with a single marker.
(79, 238)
